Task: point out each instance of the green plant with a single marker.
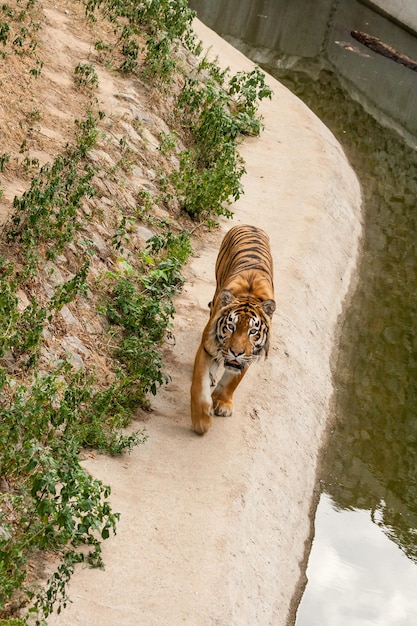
(4, 33)
(33, 116)
(17, 29)
(130, 50)
(248, 89)
(55, 504)
(100, 45)
(145, 200)
(4, 159)
(168, 142)
(214, 109)
(160, 62)
(125, 162)
(141, 307)
(88, 135)
(29, 164)
(36, 71)
(21, 331)
(68, 291)
(85, 75)
(163, 23)
(121, 235)
(215, 113)
(48, 212)
(27, 334)
(204, 191)
(9, 314)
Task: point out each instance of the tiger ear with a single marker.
(269, 307)
(226, 297)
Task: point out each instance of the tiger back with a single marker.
(238, 330)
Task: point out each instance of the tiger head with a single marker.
(242, 329)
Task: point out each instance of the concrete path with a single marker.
(214, 530)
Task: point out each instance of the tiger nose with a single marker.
(236, 352)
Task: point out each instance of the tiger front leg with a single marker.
(222, 396)
(214, 366)
(201, 404)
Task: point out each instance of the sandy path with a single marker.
(213, 528)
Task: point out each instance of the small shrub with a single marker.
(168, 142)
(48, 213)
(248, 89)
(4, 159)
(141, 307)
(4, 33)
(85, 75)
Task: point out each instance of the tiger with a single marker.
(239, 326)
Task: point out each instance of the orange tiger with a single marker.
(239, 327)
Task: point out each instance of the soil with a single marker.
(216, 529)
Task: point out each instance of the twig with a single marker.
(378, 46)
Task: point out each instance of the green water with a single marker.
(371, 462)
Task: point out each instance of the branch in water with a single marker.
(378, 46)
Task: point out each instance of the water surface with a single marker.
(371, 462)
(351, 569)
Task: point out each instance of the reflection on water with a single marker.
(372, 457)
(371, 465)
(373, 453)
(353, 565)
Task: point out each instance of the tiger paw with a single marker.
(223, 407)
(201, 424)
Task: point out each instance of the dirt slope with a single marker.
(213, 529)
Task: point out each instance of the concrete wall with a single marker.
(405, 11)
(271, 25)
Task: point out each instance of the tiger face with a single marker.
(242, 330)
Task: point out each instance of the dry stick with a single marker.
(380, 47)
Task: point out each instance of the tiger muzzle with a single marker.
(235, 365)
